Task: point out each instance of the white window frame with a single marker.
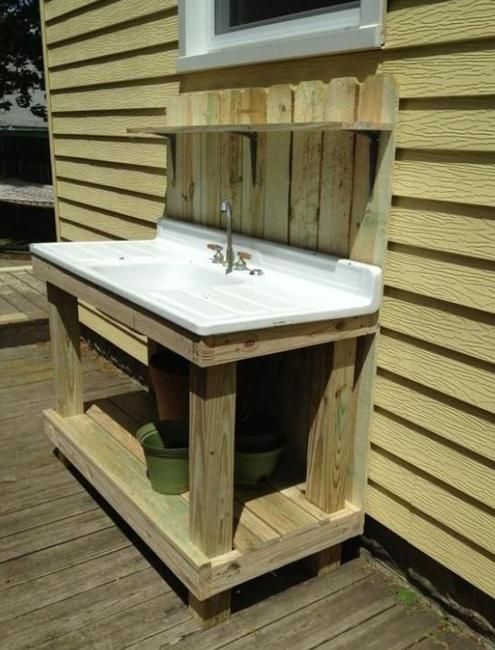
(339, 30)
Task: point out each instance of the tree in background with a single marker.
(21, 54)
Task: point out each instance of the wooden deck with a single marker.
(23, 307)
(73, 576)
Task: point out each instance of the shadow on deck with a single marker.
(23, 307)
(73, 575)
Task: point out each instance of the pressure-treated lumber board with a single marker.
(145, 153)
(447, 227)
(452, 551)
(64, 335)
(262, 127)
(121, 336)
(309, 106)
(106, 123)
(233, 568)
(378, 100)
(118, 425)
(445, 324)
(139, 206)
(142, 65)
(447, 418)
(212, 611)
(277, 166)
(448, 372)
(113, 98)
(419, 24)
(104, 16)
(447, 124)
(232, 347)
(331, 437)
(115, 225)
(461, 514)
(460, 177)
(467, 473)
(212, 421)
(461, 281)
(126, 39)
(120, 477)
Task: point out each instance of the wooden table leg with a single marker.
(330, 438)
(66, 352)
(211, 473)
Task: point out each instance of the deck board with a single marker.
(72, 575)
(23, 307)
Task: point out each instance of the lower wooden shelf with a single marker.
(272, 527)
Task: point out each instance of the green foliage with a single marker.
(21, 54)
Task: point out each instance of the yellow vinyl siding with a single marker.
(112, 66)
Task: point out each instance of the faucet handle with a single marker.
(242, 257)
(218, 257)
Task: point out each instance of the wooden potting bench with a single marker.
(215, 537)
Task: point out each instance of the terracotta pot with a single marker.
(169, 376)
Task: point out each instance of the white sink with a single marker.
(174, 276)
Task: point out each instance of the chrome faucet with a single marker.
(226, 211)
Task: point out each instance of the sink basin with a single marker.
(173, 276)
(163, 276)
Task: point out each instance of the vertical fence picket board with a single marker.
(253, 111)
(309, 101)
(231, 155)
(337, 169)
(277, 169)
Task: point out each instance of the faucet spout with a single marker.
(226, 212)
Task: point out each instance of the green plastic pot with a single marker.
(167, 456)
(255, 468)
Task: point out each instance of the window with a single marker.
(219, 33)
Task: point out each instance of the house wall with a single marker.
(112, 66)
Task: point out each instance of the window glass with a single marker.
(232, 15)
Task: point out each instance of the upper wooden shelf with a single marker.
(265, 128)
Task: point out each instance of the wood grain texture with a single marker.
(448, 125)
(57, 8)
(121, 336)
(430, 23)
(469, 474)
(211, 462)
(111, 98)
(145, 153)
(100, 16)
(330, 438)
(114, 175)
(456, 421)
(112, 224)
(434, 498)
(72, 232)
(444, 277)
(66, 354)
(106, 123)
(138, 206)
(212, 611)
(136, 66)
(447, 372)
(445, 324)
(459, 177)
(126, 39)
(447, 227)
(454, 552)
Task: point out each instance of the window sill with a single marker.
(348, 40)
